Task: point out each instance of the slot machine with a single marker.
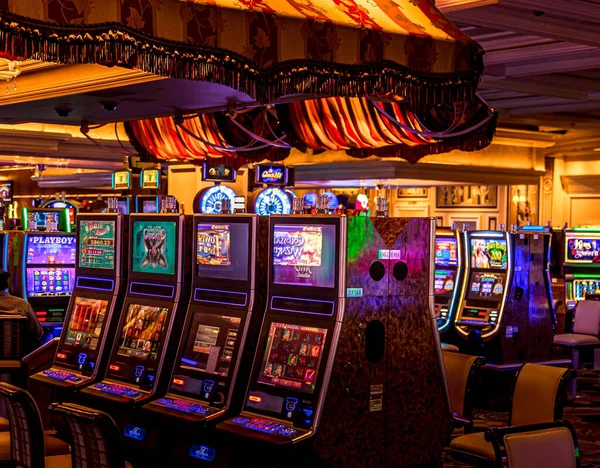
(4, 236)
(219, 336)
(448, 277)
(581, 265)
(152, 311)
(96, 301)
(71, 206)
(326, 384)
(48, 277)
(271, 201)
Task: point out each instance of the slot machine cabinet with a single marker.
(448, 278)
(48, 277)
(4, 250)
(370, 399)
(87, 337)
(220, 334)
(153, 310)
(581, 267)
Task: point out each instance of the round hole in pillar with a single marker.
(400, 271)
(375, 341)
(377, 270)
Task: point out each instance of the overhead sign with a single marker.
(218, 173)
(150, 179)
(121, 180)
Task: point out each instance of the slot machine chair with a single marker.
(551, 445)
(12, 329)
(94, 435)
(26, 443)
(585, 335)
(460, 375)
(539, 397)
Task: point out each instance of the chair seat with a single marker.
(54, 446)
(472, 446)
(576, 339)
(4, 446)
(449, 347)
(4, 425)
(59, 461)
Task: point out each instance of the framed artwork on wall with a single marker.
(523, 206)
(466, 196)
(413, 192)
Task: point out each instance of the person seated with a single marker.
(12, 305)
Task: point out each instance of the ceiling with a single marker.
(542, 62)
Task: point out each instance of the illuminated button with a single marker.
(255, 399)
(290, 403)
(178, 381)
(208, 385)
(114, 367)
(139, 370)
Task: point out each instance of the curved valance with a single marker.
(268, 49)
(360, 126)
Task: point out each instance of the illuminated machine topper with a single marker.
(6, 191)
(121, 180)
(272, 174)
(50, 250)
(97, 244)
(218, 173)
(489, 253)
(332, 201)
(583, 249)
(154, 246)
(213, 245)
(150, 179)
(272, 201)
(211, 199)
(310, 199)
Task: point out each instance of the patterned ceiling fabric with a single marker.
(329, 124)
(265, 48)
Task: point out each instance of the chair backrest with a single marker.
(460, 369)
(587, 318)
(95, 439)
(26, 432)
(12, 332)
(547, 445)
(539, 395)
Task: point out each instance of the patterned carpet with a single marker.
(583, 413)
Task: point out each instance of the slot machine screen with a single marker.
(154, 247)
(142, 331)
(149, 206)
(210, 343)
(292, 356)
(123, 206)
(63, 204)
(583, 249)
(86, 322)
(222, 251)
(444, 282)
(97, 244)
(581, 288)
(446, 249)
(304, 255)
(6, 191)
(489, 253)
(50, 250)
(487, 285)
(49, 281)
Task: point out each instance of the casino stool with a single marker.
(12, 331)
(538, 397)
(449, 347)
(4, 425)
(26, 444)
(549, 445)
(587, 318)
(94, 435)
(460, 373)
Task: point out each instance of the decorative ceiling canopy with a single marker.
(268, 49)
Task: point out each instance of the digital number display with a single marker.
(97, 244)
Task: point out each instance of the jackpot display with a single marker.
(210, 344)
(142, 331)
(221, 251)
(489, 253)
(154, 246)
(292, 356)
(304, 255)
(446, 252)
(97, 244)
(85, 325)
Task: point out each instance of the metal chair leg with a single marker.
(575, 366)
